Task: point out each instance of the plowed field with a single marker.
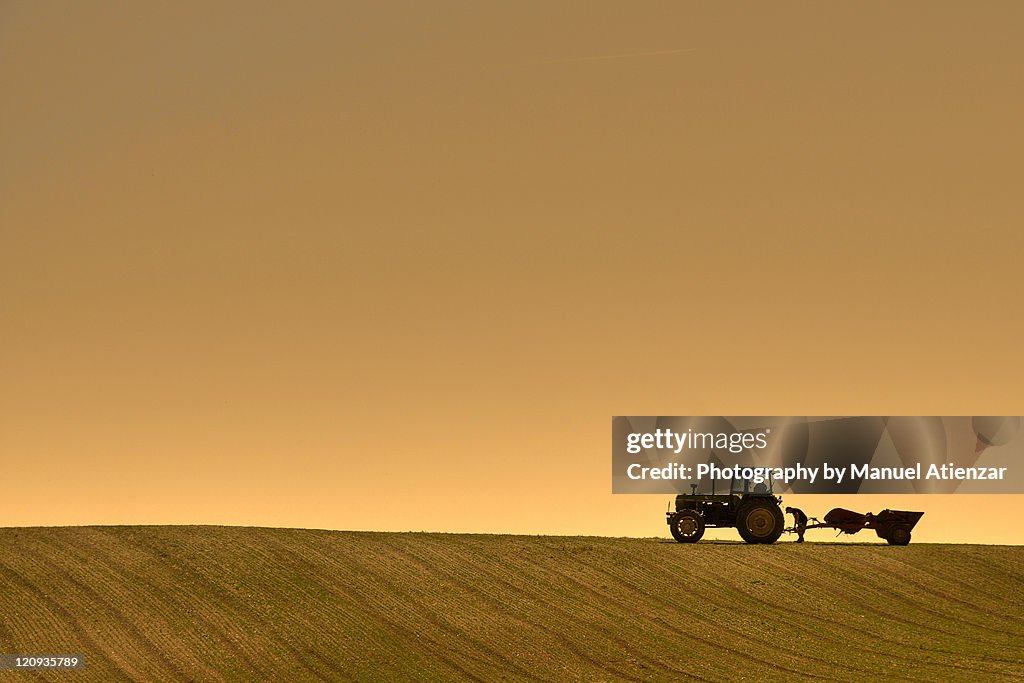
(228, 603)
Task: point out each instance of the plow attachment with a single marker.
(893, 526)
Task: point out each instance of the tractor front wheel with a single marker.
(687, 527)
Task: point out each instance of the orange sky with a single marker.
(395, 265)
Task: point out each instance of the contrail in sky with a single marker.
(621, 56)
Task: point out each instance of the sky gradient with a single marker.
(391, 266)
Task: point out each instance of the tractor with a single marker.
(756, 512)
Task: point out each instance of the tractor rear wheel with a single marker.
(898, 535)
(687, 527)
(760, 522)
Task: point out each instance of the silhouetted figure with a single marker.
(799, 521)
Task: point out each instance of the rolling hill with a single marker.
(230, 603)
